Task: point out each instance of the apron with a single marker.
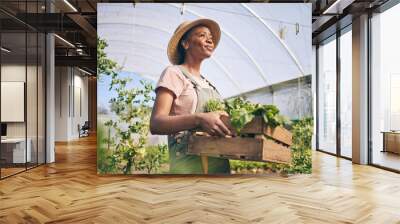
(180, 162)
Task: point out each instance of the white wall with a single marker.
(71, 94)
(33, 126)
(79, 117)
(12, 73)
(12, 99)
(61, 103)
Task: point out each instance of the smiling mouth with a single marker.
(210, 48)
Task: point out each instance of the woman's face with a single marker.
(199, 43)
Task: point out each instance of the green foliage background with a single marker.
(126, 150)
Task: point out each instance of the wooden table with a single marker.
(391, 141)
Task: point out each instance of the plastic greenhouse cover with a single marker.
(261, 43)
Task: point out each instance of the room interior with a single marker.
(48, 90)
(25, 102)
(22, 101)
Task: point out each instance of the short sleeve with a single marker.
(171, 80)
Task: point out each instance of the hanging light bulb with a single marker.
(182, 8)
(282, 32)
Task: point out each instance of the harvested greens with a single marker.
(242, 111)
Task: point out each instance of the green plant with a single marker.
(242, 111)
(105, 66)
(154, 157)
(214, 105)
(302, 131)
(131, 123)
(104, 162)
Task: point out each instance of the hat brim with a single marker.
(172, 50)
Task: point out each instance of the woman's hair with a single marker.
(181, 50)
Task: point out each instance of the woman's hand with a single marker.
(212, 123)
(162, 123)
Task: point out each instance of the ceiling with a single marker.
(74, 23)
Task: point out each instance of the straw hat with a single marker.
(173, 52)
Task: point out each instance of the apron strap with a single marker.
(194, 82)
(185, 73)
(209, 83)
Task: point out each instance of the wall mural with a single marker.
(162, 111)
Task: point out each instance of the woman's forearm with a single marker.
(166, 124)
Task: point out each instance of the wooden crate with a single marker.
(241, 148)
(258, 126)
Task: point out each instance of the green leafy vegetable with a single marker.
(214, 105)
(242, 111)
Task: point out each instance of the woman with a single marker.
(181, 94)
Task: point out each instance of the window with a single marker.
(22, 75)
(327, 96)
(385, 89)
(346, 93)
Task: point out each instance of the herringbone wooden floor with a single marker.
(70, 191)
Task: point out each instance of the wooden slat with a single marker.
(253, 127)
(253, 149)
(280, 134)
(274, 152)
(258, 126)
(246, 148)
